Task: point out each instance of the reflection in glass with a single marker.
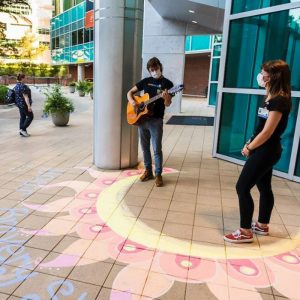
(253, 40)
(247, 5)
(238, 122)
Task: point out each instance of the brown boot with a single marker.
(147, 175)
(158, 180)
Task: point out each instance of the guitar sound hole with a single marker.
(142, 106)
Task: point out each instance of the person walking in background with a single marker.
(263, 151)
(23, 102)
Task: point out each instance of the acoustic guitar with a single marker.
(135, 115)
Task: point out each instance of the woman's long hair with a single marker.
(280, 78)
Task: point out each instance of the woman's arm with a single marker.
(26, 97)
(270, 126)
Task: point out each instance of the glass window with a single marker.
(215, 69)
(74, 14)
(53, 43)
(188, 43)
(62, 41)
(287, 138)
(201, 42)
(247, 5)
(92, 35)
(80, 36)
(217, 50)
(80, 11)
(254, 40)
(56, 43)
(218, 38)
(67, 17)
(297, 170)
(68, 39)
(74, 38)
(86, 35)
(238, 121)
(213, 94)
(74, 26)
(80, 23)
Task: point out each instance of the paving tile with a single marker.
(81, 290)
(153, 214)
(200, 292)
(178, 230)
(208, 235)
(3, 296)
(26, 258)
(44, 242)
(41, 284)
(180, 218)
(94, 272)
(11, 278)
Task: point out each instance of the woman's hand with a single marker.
(29, 108)
(245, 151)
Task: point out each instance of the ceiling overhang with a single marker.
(200, 16)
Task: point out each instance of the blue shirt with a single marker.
(21, 89)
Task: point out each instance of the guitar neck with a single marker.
(153, 99)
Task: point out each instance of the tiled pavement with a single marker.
(70, 231)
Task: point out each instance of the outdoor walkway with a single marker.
(70, 231)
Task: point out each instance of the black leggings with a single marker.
(26, 117)
(257, 171)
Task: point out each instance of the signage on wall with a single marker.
(89, 16)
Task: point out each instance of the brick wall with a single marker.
(196, 74)
(88, 72)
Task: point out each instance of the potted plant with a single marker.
(3, 93)
(90, 88)
(58, 106)
(72, 86)
(81, 88)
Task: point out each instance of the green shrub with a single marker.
(3, 92)
(82, 86)
(57, 102)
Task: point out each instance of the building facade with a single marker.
(17, 20)
(72, 39)
(250, 37)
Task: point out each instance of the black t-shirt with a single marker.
(281, 104)
(153, 87)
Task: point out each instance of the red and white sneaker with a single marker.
(259, 230)
(238, 237)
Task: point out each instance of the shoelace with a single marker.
(237, 233)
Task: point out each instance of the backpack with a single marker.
(10, 97)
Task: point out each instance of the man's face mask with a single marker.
(155, 73)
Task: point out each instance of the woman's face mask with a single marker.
(260, 80)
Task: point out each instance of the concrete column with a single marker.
(80, 72)
(165, 39)
(117, 67)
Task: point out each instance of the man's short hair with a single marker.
(154, 62)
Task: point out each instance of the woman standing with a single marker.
(263, 151)
(23, 102)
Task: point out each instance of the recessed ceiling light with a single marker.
(194, 22)
(191, 11)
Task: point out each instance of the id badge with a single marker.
(263, 113)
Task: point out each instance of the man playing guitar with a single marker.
(151, 128)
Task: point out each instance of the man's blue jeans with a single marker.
(152, 129)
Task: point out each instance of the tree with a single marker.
(29, 47)
(8, 48)
(7, 3)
